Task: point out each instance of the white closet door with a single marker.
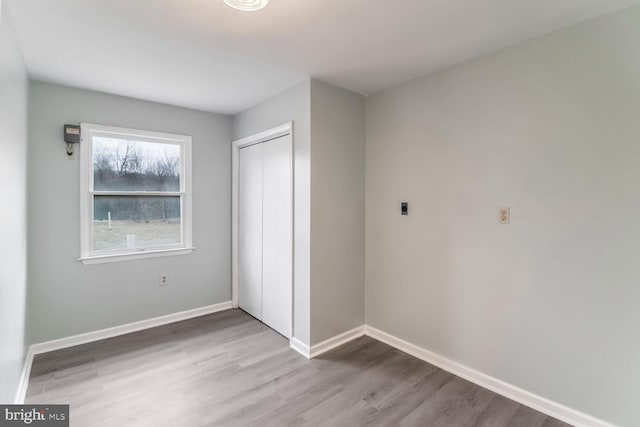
(250, 230)
(277, 234)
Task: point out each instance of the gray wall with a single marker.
(66, 297)
(550, 302)
(13, 215)
(337, 210)
(291, 105)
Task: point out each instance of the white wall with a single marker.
(13, 215)
(337, 210)
(550, 302)
(66, 297)
(291, 105)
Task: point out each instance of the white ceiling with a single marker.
(204, 55)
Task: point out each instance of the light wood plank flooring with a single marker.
(227, 369)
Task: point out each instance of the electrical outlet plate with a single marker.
(504, 215)
(164, 279)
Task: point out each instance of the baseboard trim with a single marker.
(326, 345)
(300, 347)
(337, 341)
(546, 406)
(59, 344)
(510, 391)
(24, 378)
(47, 346)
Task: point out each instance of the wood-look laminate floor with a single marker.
(227, 369)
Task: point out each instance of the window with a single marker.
(135, 194)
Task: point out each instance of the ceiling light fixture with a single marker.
(247, 5)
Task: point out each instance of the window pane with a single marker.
(136, 222)
(128, 165)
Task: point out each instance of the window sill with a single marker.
(101, 259)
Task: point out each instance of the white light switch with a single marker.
(504, 215)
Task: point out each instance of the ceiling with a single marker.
(202, 54)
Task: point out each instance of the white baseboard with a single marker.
(546, 406)
(24, 378)
(337, 341)
(541, 404)
(300, 347)
(58, 344)
(510, 391)
(47, 346)
(326, 345)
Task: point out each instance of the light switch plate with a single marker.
(504, 215)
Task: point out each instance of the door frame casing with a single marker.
(267, 135)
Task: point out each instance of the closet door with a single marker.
(277, 234)
(250, 230)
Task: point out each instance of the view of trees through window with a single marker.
(137, 220)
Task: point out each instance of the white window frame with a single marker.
(87, 254)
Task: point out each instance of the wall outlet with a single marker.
(164, 279)
(504, 215)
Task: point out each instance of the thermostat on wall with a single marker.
(404, 208)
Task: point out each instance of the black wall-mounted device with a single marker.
(71, 136)
(404, 208)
